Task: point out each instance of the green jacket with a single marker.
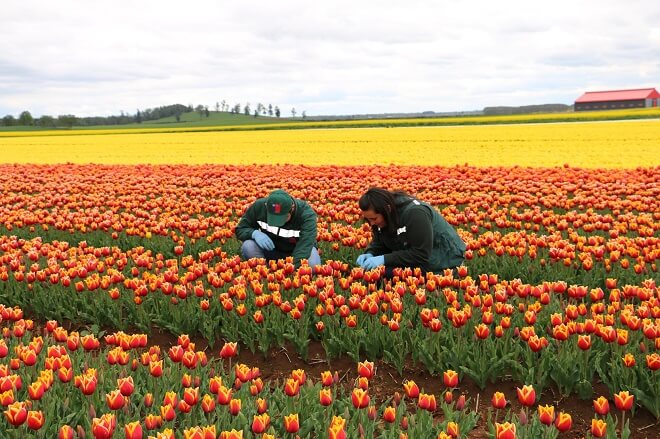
(296, 237)
(423, 238)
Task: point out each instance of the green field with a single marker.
(223, 121)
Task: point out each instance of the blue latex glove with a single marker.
(360, 259)
(263, 240)
(373, 262)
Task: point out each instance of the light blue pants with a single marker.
(250, 249)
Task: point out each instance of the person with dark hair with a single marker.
(279, 226)
(407, 232)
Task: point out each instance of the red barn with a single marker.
(615, 99)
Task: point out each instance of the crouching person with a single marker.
(279, 226)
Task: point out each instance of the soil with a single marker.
(279, 363)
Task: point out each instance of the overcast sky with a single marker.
(324, 57)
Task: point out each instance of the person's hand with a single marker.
(363, 257)
(373, 262)
(263, 240)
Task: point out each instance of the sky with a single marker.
(93, 58)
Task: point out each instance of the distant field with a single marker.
(615, 144)
(191, 122)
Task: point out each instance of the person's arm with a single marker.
(376, 247)
(307, 240)
(247, 224)
(419, 230)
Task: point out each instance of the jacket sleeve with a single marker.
(419, 230)
(376, 247)
(308, 233)
(247, 224)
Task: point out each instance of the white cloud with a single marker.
(340, 57)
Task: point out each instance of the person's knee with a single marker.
(250, 249)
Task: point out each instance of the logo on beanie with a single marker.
(277, 208)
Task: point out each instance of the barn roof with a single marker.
(618, 95)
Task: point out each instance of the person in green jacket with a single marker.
(279, 226)
(407, 232)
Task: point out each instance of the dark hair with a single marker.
(382, 202)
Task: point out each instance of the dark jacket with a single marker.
(423, 238)
(296, 237)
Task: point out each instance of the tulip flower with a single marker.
(133, 430)
(498, 400)
(584, 342)
(526, 395)
(260, 423)
(126, 385)
(629, 360)
(325, 397)
(115, 400)
(506, 430)
(233, 434)
(623, 400)
(452, 429)
(450, 378)
(427, 402)
(262, 405)
(360, 398)
(167, 412)
(563, 422)
(299, 374)
(208, 403)
(366, 369)
(601, 406)
(35, 419)
(152, 422)
(104, 427)
(66, 432)
(598, 427)
(411, 389)
(171, 398)
(336, 428)
(292, 387)
(229, 350)
(653, 361)
(291, 423)
(389, 414)
(482, 331)
(35, 390)
(235, 406)
(326, 378)
(546, 414)
(156, 368)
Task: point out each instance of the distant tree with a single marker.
(277, 111)
(177, 116)
(206, 111)
(270, 109)
(138, 117)
(66, 120)
(237, 108)
(293, 112)
(256, 113)
(8, 120)
(200, 110)
(217, 106)
(46, 121)
(224, 105)
(304, 114)
(246, 109)
(25, 118)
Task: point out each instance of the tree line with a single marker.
(177, 110)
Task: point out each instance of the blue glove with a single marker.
(360, 259)
(373, 262)
(263, 240)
